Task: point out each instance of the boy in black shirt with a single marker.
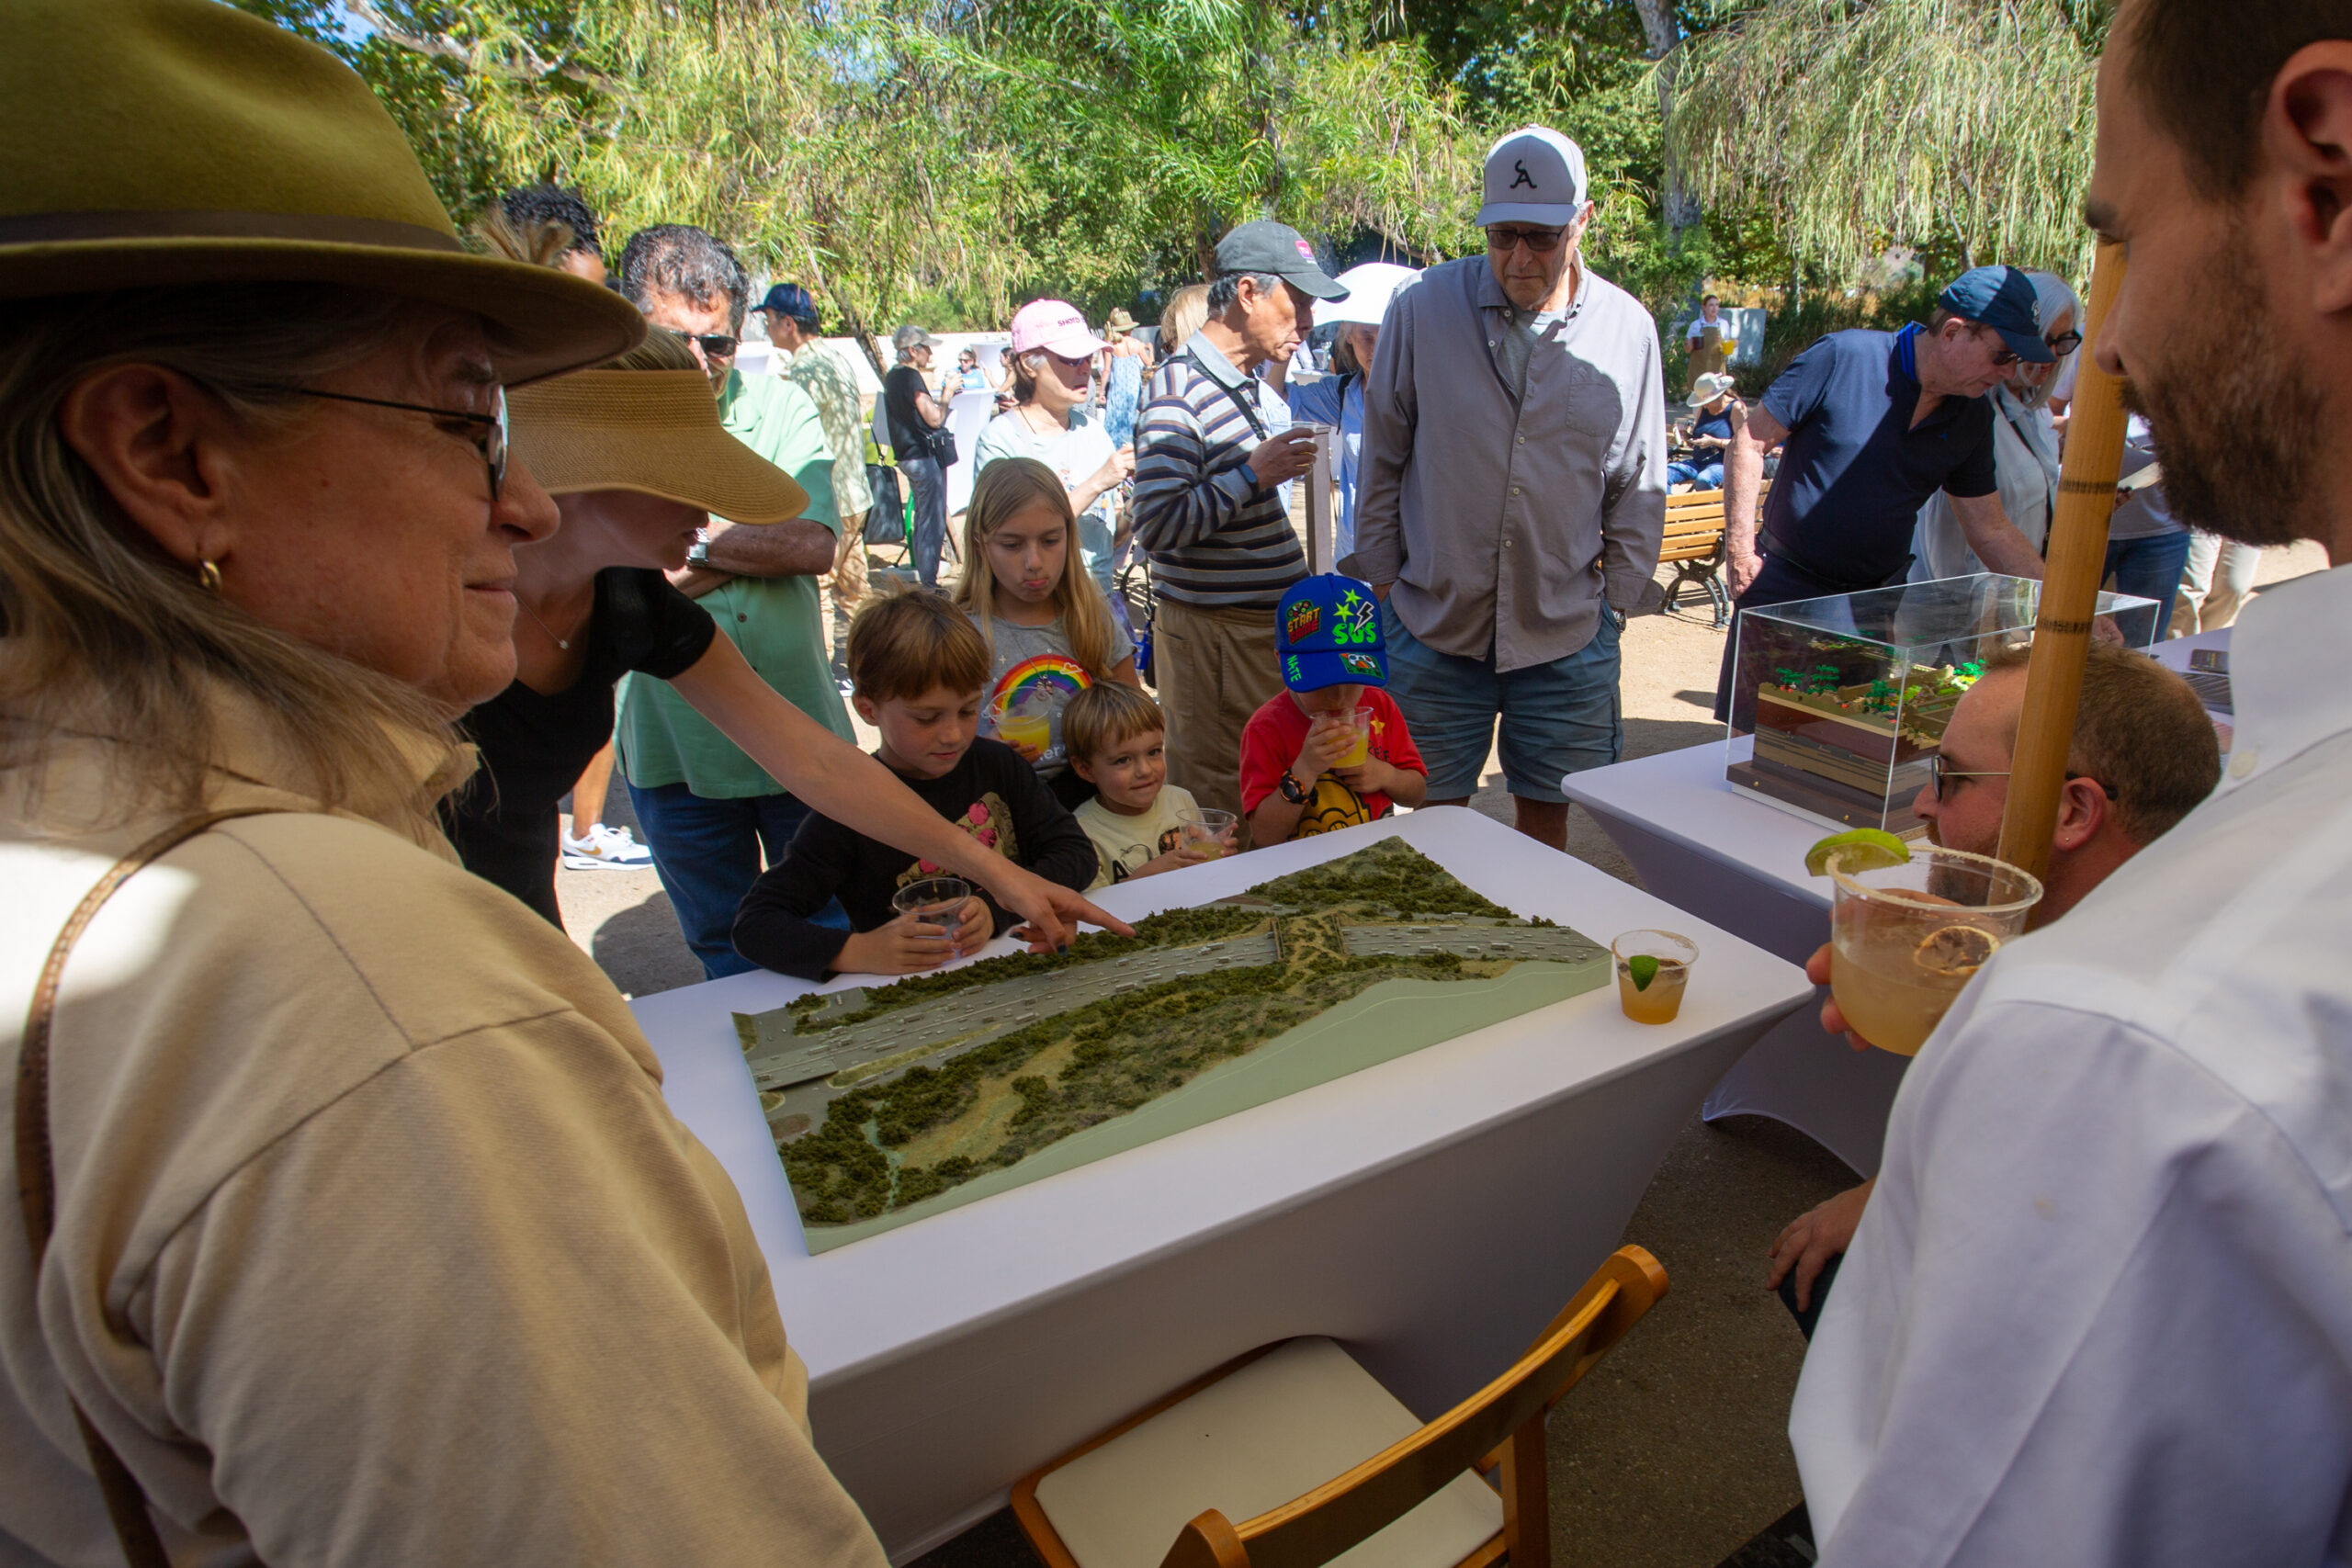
(917, 665)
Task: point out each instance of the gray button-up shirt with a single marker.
(1504, 521)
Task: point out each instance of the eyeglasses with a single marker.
(2003, 356)
(1539, 241)
(717, 345)
(491, 441)
(1941, 773)
(2064, 344)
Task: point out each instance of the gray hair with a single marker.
(2052, 298)
(693, 263)
(1224, 290)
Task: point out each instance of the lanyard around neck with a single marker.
(1249, 405)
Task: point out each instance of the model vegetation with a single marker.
(885, 1142)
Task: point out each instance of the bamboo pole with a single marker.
(2074, 562)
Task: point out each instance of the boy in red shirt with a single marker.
(1305, 765)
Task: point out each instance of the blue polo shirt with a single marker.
(1855, 471)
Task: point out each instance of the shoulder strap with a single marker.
(1248, 406)
(36, 1175)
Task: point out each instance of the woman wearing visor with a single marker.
(636, 457)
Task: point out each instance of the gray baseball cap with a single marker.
(1534, 175)
(911, 337)
(1268, 246)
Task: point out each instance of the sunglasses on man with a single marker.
(1539, 241)
(715, 345)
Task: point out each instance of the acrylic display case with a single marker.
(1846, 696)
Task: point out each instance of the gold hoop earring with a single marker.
(208, 576)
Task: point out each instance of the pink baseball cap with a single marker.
(1056, 326)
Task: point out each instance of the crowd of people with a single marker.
(334, 552)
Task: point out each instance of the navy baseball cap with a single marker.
(2002, 299)
(1328, 634)
(790, 299)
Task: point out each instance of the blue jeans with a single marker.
(708, 853)
(1557, 718)
(1708, 475)
(2150, 568)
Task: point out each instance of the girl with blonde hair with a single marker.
(1050, 631)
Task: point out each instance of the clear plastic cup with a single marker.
(1653, 995)
(1360, 752)
(934, 898)
(1906, 938)
(1206, 829)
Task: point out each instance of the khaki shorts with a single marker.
(1215, 668)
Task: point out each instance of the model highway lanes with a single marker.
(983, 1013)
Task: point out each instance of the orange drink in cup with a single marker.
(1027, 733)
(1906, 938)
(1206, 829)
(1360, 751)
(1653, 969)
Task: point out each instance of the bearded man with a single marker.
(2099, 1307)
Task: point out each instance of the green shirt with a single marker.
(774, 620)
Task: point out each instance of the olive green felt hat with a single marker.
(161, 144)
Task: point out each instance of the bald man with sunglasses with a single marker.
(1511, 490)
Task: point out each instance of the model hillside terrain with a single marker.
(886, 1096)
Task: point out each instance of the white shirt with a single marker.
(2025, 465)
(2099, 1309)
(1076, 455)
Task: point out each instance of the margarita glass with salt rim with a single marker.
(1904, 939)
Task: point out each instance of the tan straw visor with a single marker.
(652, 430)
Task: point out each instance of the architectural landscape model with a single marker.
(891, 1103)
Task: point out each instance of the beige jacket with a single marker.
(376, 1241)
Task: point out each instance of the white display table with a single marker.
(1431, 1213)
(1703, 845)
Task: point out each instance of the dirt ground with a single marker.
(1674, 1451)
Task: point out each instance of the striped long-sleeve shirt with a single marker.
(1214, 536)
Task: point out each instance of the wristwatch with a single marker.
(698, 554)
(1292, 791)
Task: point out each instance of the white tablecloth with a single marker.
(1703, 845)
(1432, 1213)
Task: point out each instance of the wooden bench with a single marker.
(1694, 547)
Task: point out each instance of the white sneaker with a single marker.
(605, 849)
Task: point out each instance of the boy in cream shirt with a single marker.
(1115, 735)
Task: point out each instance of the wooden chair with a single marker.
(1279, 1437)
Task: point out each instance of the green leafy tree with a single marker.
(1958, 126)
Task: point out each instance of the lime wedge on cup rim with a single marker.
(1864, 849)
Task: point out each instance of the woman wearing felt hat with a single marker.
(357, 1227)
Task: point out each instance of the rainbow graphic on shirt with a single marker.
(1040, 685)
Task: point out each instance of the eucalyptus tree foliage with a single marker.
(795, 131)
(1856, 124)
(1154, 119)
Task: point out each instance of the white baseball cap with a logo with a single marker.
(1534, 175)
